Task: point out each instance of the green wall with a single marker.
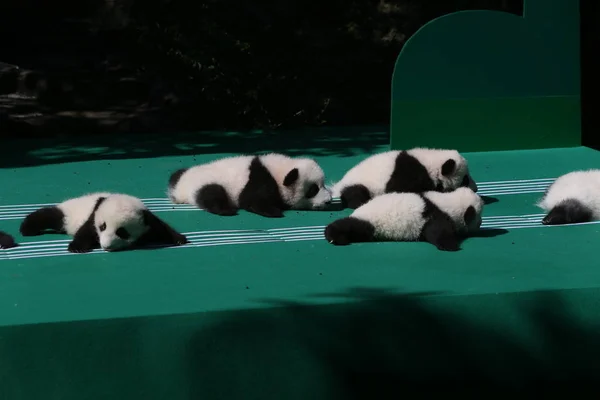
(489, 80)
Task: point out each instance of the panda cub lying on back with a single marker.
(572, 198)
(415, 171)
(6, 241)
(435, 217)
(265, 185)
(111, 221)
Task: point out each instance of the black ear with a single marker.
(469, 215)
(448, 167)
(291, 177)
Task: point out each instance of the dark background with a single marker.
(112, 66)
(590, 65)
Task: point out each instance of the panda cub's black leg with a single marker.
(86, 238)
(214, 199)
(46, 218)
(349, 230)
(439, 230)
(355, 196)
(6, 241)
(160, 232)
(568, 212)
(261, 193)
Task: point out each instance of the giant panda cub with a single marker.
(265, 185)
(111, 221)
(417, 170)
(439, 218)
(572, 198)
(6, 241)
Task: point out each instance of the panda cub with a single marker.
(572, 198)
(435, 217)
(265, 185)
(417, 170)
(111, 221)
(6, 241)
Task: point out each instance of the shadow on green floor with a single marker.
(341, 142)
(377, 344)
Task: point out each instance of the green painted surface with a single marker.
(492, 123)
(278, 320)
(489, 56)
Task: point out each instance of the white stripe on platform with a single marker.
(55, 248)
(494, 188)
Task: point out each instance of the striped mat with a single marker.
(227, 237)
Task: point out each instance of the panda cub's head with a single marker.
(304, 186)
(463, 205)
(448, 168)
(455, 173)
(120, 220)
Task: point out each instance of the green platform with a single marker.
(63, 287)
(266, 309)
(222, 320)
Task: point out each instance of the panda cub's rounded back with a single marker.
(572, 198)
(436, 217)
(447, 168)
(262, 184)
(403, 171)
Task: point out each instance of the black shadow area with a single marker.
(590, 65)
(340, 142)
(489, 232)
(489, 200)
(373, 344)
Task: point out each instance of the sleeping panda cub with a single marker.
(415, 171)
(572, 198)
(265, 185)
(435, 217)
(6, 241)
(111, 221)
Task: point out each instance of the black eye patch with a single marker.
(122, 233)
(465, 181)
(102, 227)
(312, 191)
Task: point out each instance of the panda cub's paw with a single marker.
(77, 246)
(7, 241)
(180, 240)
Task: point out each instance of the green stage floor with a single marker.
(241, 295)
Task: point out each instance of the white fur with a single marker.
(233, 173)
(116, 211)
(374, 171)
(78, 210)
(310, 173)
(583, 186)
(120, 211)
(395, 216)
(399, 216)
